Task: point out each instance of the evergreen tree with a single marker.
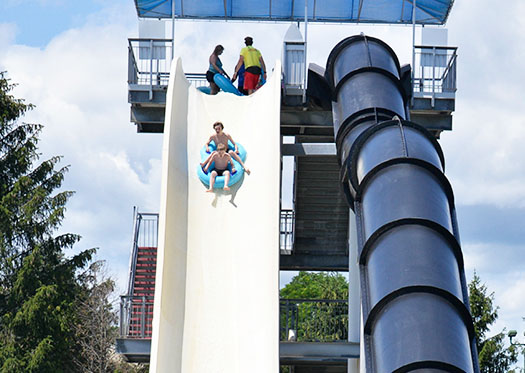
(494, 357)
(39, 285)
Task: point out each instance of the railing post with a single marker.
(151, 69)
(143, 317)
(433, 75)
(121, 319)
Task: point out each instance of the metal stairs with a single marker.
(143, 293)
(321, 219)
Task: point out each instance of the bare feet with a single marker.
(234, 171)
(247, 170)
(226, 188)
(209, 190)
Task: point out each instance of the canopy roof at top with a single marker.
(433, 12)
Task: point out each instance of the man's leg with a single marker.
(206, 164)
(238, 159)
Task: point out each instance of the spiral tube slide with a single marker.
(416, 315)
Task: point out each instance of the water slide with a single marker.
(216, 297)
(414, 299)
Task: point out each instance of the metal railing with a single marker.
(145, 234)
(136, 314)
(435, 72)
(197, 80)
(287, 231)
(301, 320)
(149, 63)
(313, 320)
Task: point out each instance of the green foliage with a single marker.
(39, 286)
(319, 319)
(494, 357)
(322, 285)
(96, 330)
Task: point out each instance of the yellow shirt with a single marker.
(251, 56)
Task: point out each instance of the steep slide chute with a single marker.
(218, 263)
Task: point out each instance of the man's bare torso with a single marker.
(220, 138)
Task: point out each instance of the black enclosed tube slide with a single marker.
(414, 296)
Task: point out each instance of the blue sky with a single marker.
(39, 21)
(70, 59)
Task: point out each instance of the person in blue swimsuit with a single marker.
(215, 68)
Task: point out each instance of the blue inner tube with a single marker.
(226, 85)
(219, 180)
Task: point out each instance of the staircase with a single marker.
(143, 293)
(321, 212)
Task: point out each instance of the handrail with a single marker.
(435, 47)
(302, 320)
(148, 39)
(133, 61)
(134, 252)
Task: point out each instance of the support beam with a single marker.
(298, 150)
(335, 353)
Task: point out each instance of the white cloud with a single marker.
(7, 35)
(78, 84)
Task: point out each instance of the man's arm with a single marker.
(233, 142)
(208, 144)
(208, 162)
(261, 60)
(237, 67)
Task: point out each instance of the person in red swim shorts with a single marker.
(253, 63)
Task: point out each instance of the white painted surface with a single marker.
(216, 298)
(354, 291)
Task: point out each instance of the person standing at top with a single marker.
(215, 68)
(253, 63)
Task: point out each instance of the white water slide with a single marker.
(216, 298)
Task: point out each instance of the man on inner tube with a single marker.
(221, 137)
(221, 159)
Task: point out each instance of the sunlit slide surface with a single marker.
(216, 297)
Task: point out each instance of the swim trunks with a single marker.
(250, 80)
(220, 172)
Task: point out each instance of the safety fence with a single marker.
(286, 231)
(313, 320)
(145, 234)
(435, 71)
(301, 320)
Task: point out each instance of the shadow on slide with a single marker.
(232, 192)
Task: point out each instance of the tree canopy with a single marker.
(494, 357)
(314, 307)
(39, 285)
(321, 285)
